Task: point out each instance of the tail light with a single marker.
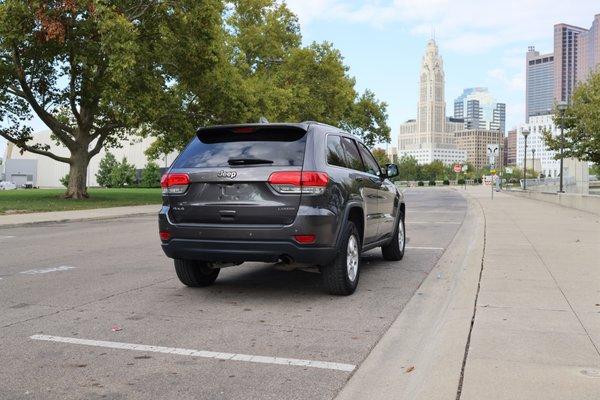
(305, 239)
(174, 183)
(296, 182)
(164, 235)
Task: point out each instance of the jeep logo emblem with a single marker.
(226, 174)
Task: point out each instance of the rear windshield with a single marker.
(217, 149)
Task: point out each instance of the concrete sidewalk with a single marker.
(77, 215)
(537, 325)
(532, 270)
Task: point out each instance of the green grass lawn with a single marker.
(39, 200)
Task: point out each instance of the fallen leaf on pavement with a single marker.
(116, 328)
(409, 369)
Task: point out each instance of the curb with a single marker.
(57, 220)
(421, 355)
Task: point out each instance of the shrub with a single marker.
(446, 182)
(478, 180)
(461, 181)
(123, 174)
(65, 180)
(150, 175)
(431, 183)
(105, 169)
(420, 183)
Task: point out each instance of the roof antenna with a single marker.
(263, 120)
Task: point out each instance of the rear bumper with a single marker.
(240, 243)
(241, 251)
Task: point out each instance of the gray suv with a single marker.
(303, 193)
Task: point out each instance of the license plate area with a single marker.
(237, 192)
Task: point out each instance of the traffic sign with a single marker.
(457, 168)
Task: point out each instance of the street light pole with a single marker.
(562, 107)
(533, 161)
(525, 133)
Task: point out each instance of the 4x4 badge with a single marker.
(227, 174)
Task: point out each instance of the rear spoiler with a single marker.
(250, 128)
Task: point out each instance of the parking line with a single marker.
(199, 353)
(423, 248)
(46, 270)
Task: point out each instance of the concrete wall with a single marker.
(49, 171)
(583, 202)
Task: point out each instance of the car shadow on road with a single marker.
(268, 280)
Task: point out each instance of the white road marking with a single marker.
(423, 248)
(6, 237)
(46, 270)
(199, 353)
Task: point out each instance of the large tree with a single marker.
(581, 121)
(95, 70)
(264, 71)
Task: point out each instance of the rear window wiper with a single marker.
(246, 161)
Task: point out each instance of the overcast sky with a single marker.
(482, 42)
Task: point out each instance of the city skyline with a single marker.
(482, 46)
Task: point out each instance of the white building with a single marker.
(45, 172)
(537, 125)
(431, 136)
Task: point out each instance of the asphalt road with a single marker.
(79, 280)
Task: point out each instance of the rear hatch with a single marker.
(229, 170)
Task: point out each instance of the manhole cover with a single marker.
(593, 373)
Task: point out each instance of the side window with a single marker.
(352, 156)
(335, 152)
(371, 166)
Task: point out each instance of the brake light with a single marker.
(244, 130)
(174, 183)
(296, 182)
(164, 235)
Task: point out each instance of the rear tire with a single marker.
(394, 250)
(341, 275)
(195, 273)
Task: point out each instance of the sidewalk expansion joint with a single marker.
(468, 344)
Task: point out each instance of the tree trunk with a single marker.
(77, 188)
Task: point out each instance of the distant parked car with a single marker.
(4, 185)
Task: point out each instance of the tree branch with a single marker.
(22, 145)
(98, 146)
(59, 129)
(72, 77)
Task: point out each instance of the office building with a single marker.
(537, 125)
(475, 143)
(510, 148)
(539, 92)
(480, 110)
(576, 54)
(431, 135)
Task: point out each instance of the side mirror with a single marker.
(391, 170)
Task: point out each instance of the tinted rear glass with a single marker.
(215, 149)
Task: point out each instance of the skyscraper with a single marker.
(480, 110)
(431, 136)
(566, 59)
(589, 43)
(539, 90)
